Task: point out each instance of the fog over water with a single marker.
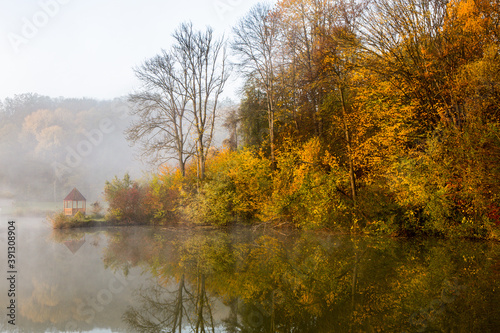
(58, 290)
(48, 145)
(80, 280)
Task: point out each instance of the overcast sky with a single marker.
(88, 48)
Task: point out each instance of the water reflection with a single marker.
(151, 280)
(308, 283)
(58, 289)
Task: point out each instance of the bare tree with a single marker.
(179, 98)
(256, 42)
(162, 124)
(204, 75)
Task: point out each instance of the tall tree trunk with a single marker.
(271, 132)
(352, 178)
(182, 164)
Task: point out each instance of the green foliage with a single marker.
(213, 203)
(451, 184)
(79, 216)
(62, 221)
(253, 116)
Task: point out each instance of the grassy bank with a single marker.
(61, 221)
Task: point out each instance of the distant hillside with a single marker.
(50, 145)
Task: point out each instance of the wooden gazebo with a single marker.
(74, 202)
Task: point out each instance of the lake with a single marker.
(144, 279)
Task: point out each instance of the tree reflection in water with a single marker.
(164, 310)
(169, 307)
(249, 282)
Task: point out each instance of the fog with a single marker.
(50, 145)
(59, 288)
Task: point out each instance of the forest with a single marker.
(378, 117)
(50, 145)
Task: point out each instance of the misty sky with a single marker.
(87, 48)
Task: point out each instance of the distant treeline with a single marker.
(50, 145)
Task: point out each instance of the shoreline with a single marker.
(101, 223)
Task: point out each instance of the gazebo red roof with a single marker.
(75, 195)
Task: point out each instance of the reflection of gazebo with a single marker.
(74, 202)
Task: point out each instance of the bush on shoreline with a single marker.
(61, 221)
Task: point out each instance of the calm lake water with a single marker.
(140, 279)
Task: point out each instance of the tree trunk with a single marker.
(271, 134)
(182, 164)
(352, 178)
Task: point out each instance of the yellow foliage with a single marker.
(306, 186)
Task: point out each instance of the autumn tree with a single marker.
(470, 53)
(435, 56)
(340, 57)
(405, 39)
(301, 24)
(125, 198)
(322, 48)
(256, 43)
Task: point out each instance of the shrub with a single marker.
(59, 220)
(62, 221)
(126, 199)
(163, 197)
